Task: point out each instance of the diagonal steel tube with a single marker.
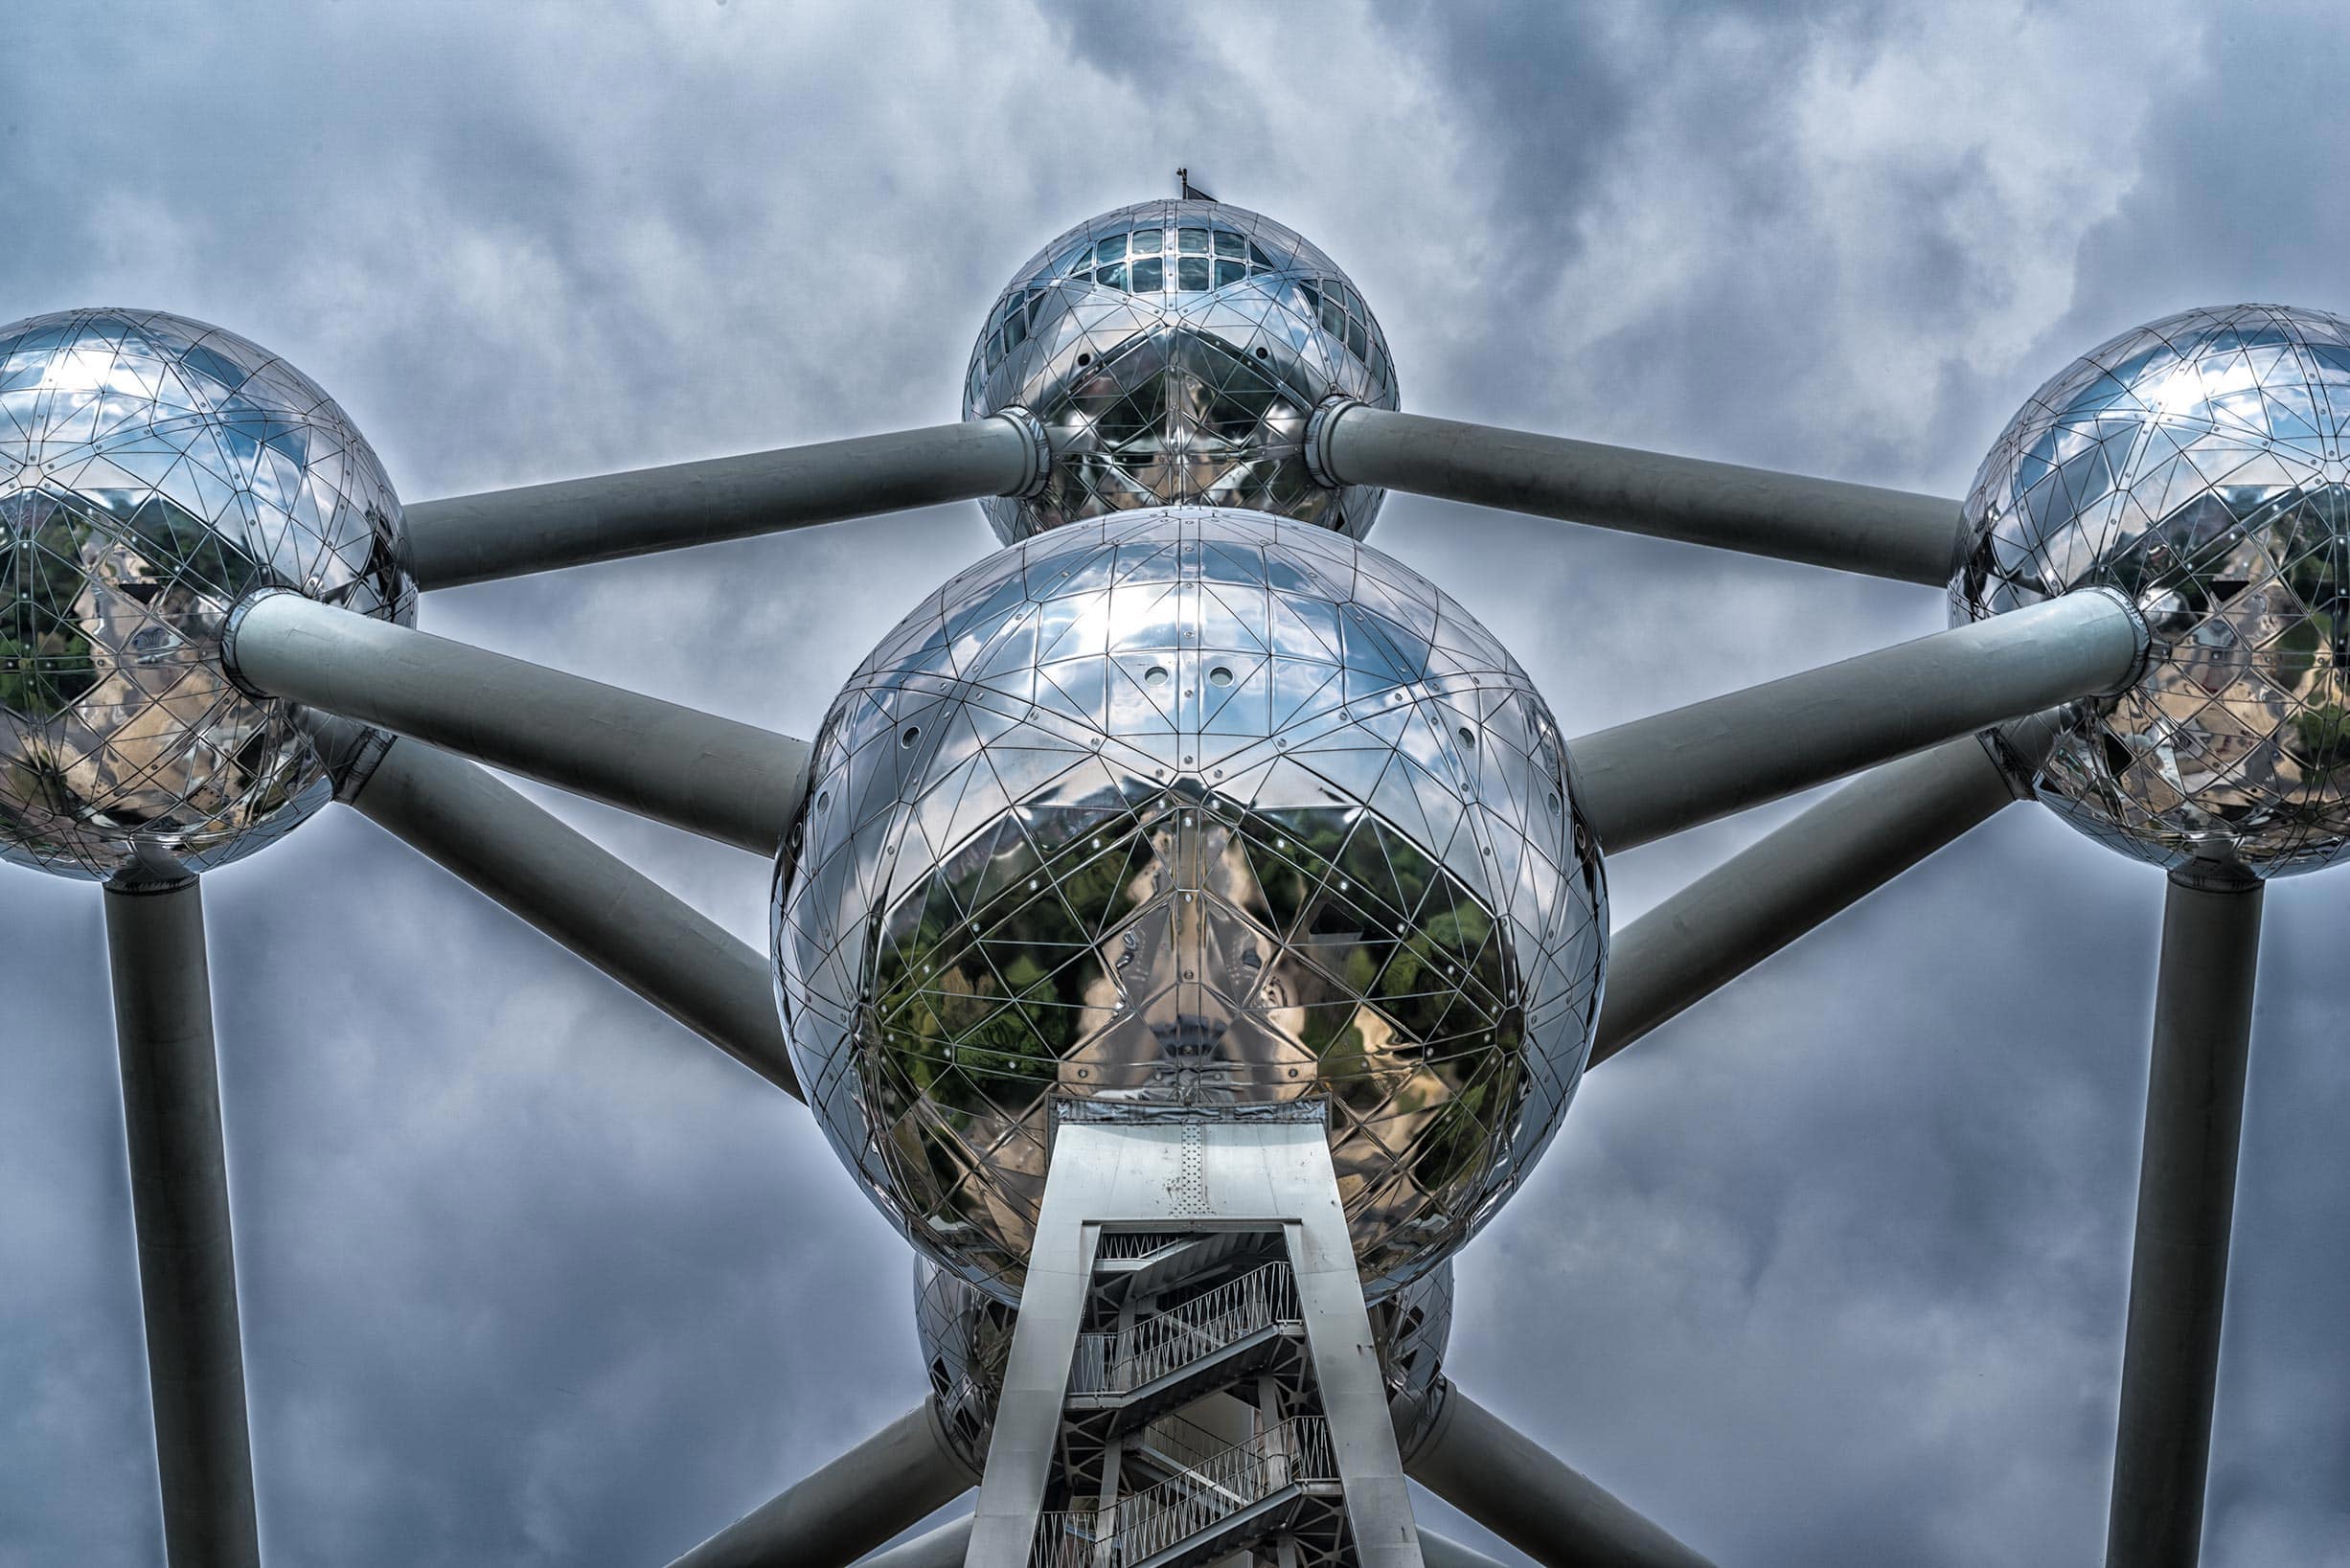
(539, 528)
(179, 1201)
(1820, 522)
(1475, 1461)
(1659, 776)
(1807, 871)
(2186, 1208)
(727, 781)
(570, 888)
(899, 1476)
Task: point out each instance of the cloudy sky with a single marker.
(1830, 1271)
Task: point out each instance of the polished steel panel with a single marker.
(153, 471)
(1175, 352)
(2198, 466)
(1190, 805)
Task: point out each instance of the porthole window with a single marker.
(1147, 243)
(1229, 272)
(1192, 273)
(1112, 249)
(1228, 243)
(1150, 275)
(1191, 242)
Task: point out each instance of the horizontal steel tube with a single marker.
(539, 528)
(1659, 776)
(2186, 1209)
(730, 782)
(896, 1477)
(1820, 522)
(580, 894)
(179, 1202)
(1799, 876)
(1486, 1468)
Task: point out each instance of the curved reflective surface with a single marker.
(966, 1337)
(2197, 464)
(1190, 807)
(152, 471)
(1174, 351)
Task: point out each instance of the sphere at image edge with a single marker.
(153, 471)
(2197, 464)
(1174, 351)
(1189, 806)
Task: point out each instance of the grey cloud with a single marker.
(1828, 1271)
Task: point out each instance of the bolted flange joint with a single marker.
(229, 629)
(2145, 638)
(1040, 466)
(1319, 425)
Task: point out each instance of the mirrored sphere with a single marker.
(1174, 351)
(1190, 807)
(2197, 464)
(152, 471)
(966, 1337)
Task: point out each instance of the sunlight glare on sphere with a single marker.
(153, 471)
(2195, 464)
(1190, 807)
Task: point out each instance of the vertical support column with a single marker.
(1191, 1170)
(179, 1201)
(2186, 1207)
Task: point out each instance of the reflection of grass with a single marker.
(2321, 738)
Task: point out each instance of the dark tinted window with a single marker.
(1150, 273)
(1193, 270)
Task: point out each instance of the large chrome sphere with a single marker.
(1174, 351)
(2197, 464)
(966, 1337)
(152, 471)
(1188, 806)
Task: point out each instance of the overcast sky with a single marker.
(1830, 1271)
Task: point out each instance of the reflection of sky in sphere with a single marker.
(1174, 351)
(2197, 464)
(1190, 807)
(152, 471)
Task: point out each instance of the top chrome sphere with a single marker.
(2197, 464)
(1174, 351)
(153, 470)
(1189, 806)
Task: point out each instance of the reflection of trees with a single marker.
(46, 662)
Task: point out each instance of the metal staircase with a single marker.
(1226, 1502)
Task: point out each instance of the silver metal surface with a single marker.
(966, 1339)
(2186, 1213)
(1189, 806)
(1820, 522)
(1197, 1170)
(1672, 771)
(1174, 351)
(728, 780)
(1529, 1497)
(153, 470)
(520, 855)
(572, 522)
(2197, 464)
(885, 1485)
(179, 1198)
(1800, 876)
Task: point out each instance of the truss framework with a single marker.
(1948, 723)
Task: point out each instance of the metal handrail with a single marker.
(1124, 1359)
(1297, 1452)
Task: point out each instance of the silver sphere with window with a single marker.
(1188, 806)
(2199, 465)
(153, 470)
(1174, 351)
